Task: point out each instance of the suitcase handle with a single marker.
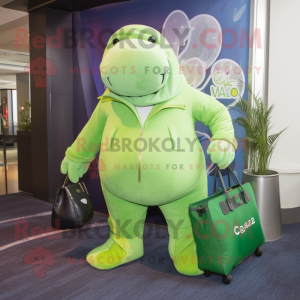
(231, 201)
(215, 179)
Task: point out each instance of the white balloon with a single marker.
(193, 71)
(176, 29)
(205, 40)
(204, 44)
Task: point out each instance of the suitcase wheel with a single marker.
(227, 279)
(258, 252)
(207, 274)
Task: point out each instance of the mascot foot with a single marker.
(186, 261)
(111, 254)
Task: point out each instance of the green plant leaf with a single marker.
(256, 120)
(24, 119)
(272, 139)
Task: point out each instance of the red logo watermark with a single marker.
(39, 258)
(40, 68)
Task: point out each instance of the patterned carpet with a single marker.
(66, 275)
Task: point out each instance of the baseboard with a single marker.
(290, 215)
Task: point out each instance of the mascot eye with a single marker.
(115, 41)
(152, 39)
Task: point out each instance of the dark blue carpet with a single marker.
(275, 275)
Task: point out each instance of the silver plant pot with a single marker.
(266, 192)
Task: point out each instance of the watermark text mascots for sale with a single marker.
(156, 162)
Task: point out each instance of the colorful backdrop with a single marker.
(217, 39)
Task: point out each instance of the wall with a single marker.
(283, 86)
(51, 99)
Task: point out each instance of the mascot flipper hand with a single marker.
(75, 170)
(156, 160)
(221, 153)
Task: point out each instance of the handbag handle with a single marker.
(66, 181)
(231, 201)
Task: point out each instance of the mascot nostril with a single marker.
(162, 162)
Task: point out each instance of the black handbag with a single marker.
(72, 207)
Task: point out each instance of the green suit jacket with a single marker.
(158, 162)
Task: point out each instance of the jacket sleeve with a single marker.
(88, 142)
(215, 115)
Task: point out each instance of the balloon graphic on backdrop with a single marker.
(193, 71)
(201, 40)
(227, 77)
(176, 29)
(205, 40)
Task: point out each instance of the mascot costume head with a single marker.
(144, 126)
(141, 67)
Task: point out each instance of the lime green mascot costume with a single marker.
(156, 162)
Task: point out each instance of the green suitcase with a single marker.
(226, 228)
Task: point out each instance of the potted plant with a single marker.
(259, 147)
(24, 148)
